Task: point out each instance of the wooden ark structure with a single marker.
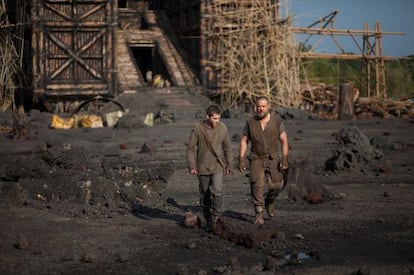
(84, 48)
(73, 43)
(239, 48)
(236, 49)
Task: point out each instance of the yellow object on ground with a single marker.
(91, 121)
(113, 117)
(62, 123)
(158, 81)
(85, 121)
(149, 119)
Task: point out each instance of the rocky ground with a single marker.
(113, 200)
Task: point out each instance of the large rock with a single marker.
(300, 183)
(356, 155)
(243, 233)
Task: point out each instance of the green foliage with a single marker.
(303, 47)
(330, 71)
(399, 74)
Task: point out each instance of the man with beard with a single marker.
(212, 160)
(264, 131)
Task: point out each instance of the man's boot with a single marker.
(210, 225)
(270, 207)
(259, 215)
(208, 215)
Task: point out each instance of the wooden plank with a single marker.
(346, 104)
(75, 56)
(75, 93)
(73, 47)
(344, 32)
(85, 86)
(66, 25)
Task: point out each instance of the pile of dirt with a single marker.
(357, 155)
(301, 183)
(79, 181)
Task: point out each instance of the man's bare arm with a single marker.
(285, 150)
(242, 153)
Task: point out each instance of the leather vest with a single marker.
(264, 143)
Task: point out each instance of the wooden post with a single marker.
(346, 103)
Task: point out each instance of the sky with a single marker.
(394, 16)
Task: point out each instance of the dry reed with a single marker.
(255, 53)
(11, 54)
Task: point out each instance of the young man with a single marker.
(209, 156)
(264, 131)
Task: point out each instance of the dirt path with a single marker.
(370, 229)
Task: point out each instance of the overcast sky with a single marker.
(394, 16)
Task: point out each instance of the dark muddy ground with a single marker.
(112, 200)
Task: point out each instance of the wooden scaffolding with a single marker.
(248, 51)
(13, 54)
(371, 51)
(73, 48)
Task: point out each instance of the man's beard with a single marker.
(211, 124)
(262, 115)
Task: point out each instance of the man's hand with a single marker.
(242, 165)
(194, 171)
(285, 163)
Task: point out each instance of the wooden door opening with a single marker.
(147, 57)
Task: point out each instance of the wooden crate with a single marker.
(73, 45)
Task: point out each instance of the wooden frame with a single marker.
(73, 47)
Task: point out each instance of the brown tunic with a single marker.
(264, 146)
(204, 160)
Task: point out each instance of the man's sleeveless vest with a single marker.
(264, 148)
(264, 142)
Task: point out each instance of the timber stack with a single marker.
(323, 99)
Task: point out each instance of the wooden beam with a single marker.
(346, 56)
(345, 32)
